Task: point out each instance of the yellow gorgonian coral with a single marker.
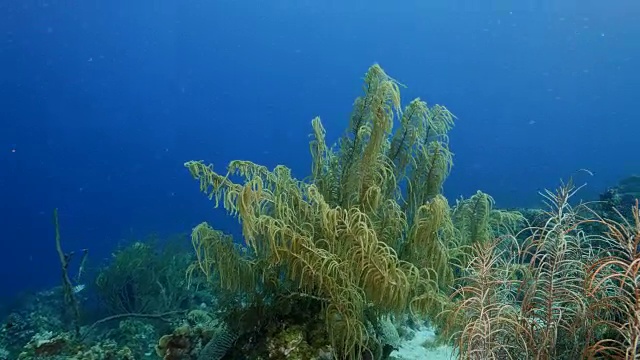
(364, 232)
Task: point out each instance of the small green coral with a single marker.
(476, 220)
(145, 279)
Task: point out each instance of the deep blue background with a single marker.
(101, 102)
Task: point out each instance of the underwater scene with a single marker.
(322, 180)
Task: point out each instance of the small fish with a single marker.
(78, 288)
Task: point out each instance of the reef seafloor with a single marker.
(363, 259)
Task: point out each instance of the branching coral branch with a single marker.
(67, 286)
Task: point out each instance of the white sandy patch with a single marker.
(414, 350)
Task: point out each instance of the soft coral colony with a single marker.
(369, 235)
(366, 235)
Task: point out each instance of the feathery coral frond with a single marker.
(367, 230)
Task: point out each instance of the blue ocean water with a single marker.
(101, 103)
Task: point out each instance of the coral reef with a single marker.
(363, 236)
(364, 259)
(37, 326)
(37, 313)
(48, 345)
(369, 235)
